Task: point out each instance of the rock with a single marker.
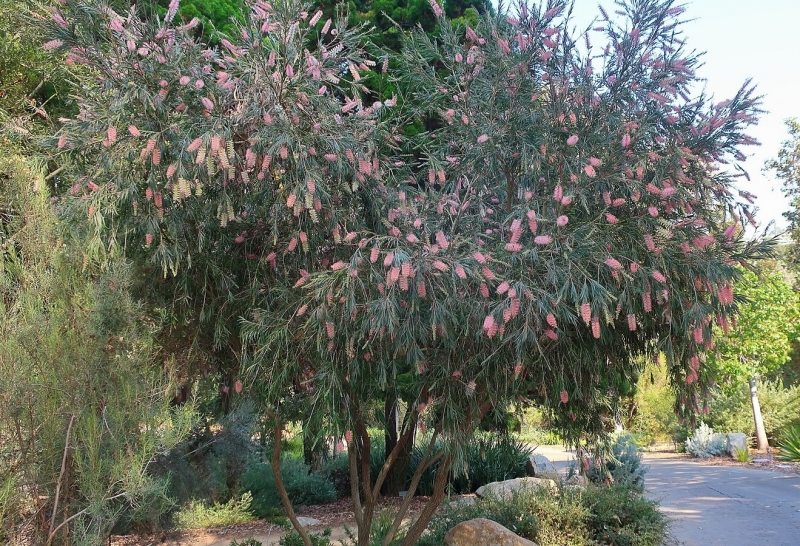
(483, 532)
(736, 441)
(506, 489)
(541, 467)
(307, 522)
(578, 480)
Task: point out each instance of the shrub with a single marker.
(742, 455)
(199, 514)
(654, 420)
(780, 407)
(704, 443)
(303, 486)
(489, 459)
(625, 468)
(292, 538)
(617, 515)
(789, 442)
(249, 541)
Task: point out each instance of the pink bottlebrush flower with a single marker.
(441, 240)
(207, 104)
(440, 265)
(613, 264)
(199, 84)
(590, 172)
(607, 198)
(618, 202)
(331, 157)
(329, 329)
(669, 191)
(703, 241)
(338, 265)
(237, 387)
(653, 189)
(484, 290)
(653, 211)
(171, 169)
(291, 200)
(514, 302)
(596, 327)
(543, 240)
(586, 312)
(558, 193)
(632, 322)
(388, 260)
(487, 273)
(192, 147)
(460, 273)
(62, 141)
(562, 220)
(594, 162)
(626, 140)
(292, 244)
(552, 334)
(513, 247)
(405, 269)
(502, 288)
(483, 138)
(148, 238)
(456, 374)
(312, 187)
(506, 314)
(572, 140)
(698, 335)
(151, 144)
(148, 194)
(156, 156)
(158, 200)
(284, 152)
(551, 320)
(437, 10)
(184, 80)
(480, 258)
(730, 231)
(634, 267)
(658, 276)
(92, 186)
(421, 289)
(301, 311)
(647, 302)
(611, 219)
(518, 369)
(566, 201)
(564, 396)
(52, 44)
(373, 255)
(649, 242)
(411, 238)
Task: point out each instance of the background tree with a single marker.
(767, 327)
(84, 412)
(787, 168)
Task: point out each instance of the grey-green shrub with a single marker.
(704, 443)
(625, 467)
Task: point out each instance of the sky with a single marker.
(758, 39)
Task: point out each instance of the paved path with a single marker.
(718, 505)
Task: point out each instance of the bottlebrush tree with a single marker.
(568, 217)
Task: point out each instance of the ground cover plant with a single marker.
(560, 220)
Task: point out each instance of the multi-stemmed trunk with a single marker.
(761, 434)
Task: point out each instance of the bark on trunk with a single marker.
(761, 434)
(396, 477)
(276, 473)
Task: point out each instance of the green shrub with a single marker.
(535, 428)
(303, 486)
(789, 442)
(780, 407)
(654, 420)
(704, 443)
(489, 458)
(249, 541)
(197, 515)
(617, 515)
(292, 538)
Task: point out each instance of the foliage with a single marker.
(489, 458)
(197, 515)
(573, 517)
(730, 410)
(303, 486)
(536, 428)
(565, 217)
(292, 538)
(742, 455)
(653, 419)
(705, 443)
(787, 168)
(789, 442)
(250, 541)
(85, 409)
(624, 466)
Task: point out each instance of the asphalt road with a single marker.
(719, 505)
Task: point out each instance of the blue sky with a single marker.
(758, 39)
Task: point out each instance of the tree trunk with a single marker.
(761, 434)
(313, 444)
(396, 478)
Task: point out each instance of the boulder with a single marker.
(578, 481)
(506, 489)
(736, 441)
(462, 502)
(540, 466)
(307, 522)
(483, 532)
